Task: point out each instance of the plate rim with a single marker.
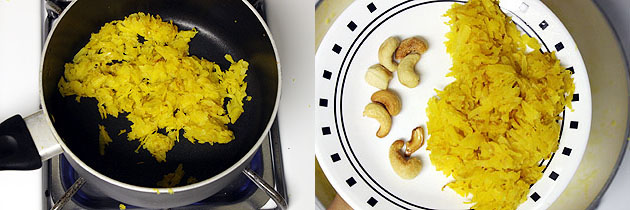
(552, 18)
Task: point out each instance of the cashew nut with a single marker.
(378, 76)
(405, 168)
(389, 99)
(410, 45)
(406, 71)
(417, 139)
(386, 53)
(378, 112)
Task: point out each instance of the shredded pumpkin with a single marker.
(103, 139)
(491, 127)
(141, 66)
(172, 179)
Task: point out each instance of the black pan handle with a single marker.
(17, 149)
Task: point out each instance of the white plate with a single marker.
(356, 161)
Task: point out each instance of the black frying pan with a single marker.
(220, 32)
(225, 27)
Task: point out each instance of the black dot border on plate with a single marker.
(350, 181)
(351, 25)
(336, 49)
(573, 125)
(559, 46)
(571, 69)
(543, 25)
(323, 102)
(371, 7)
(327, 74)
(335, 157)
(372, 201)
(566, 151)
(326, 131)
(553, 176)
(535, 196)
(576, 97)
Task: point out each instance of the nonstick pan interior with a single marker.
(225, 27)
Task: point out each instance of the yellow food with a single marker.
(191, 180)
(103, 139)
(172, 179)
(491, 126)
(122, 206)
(141, 66)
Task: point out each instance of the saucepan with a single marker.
(66, 126)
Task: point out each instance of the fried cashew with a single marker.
(380, 114)
(406, 71)
(386, 53)
(389, 99)
(417, 140)
(410, 45)
(378, 76)
(405, 168)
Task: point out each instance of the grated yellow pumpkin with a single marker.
(103, 139)
(491, 126)
(172, 179)
(141, 66)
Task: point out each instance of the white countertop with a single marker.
(292, 27)
(19, 67)
(291, 23)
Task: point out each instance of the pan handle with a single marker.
(43, 136)
(17, 149)
(275, 196)
(26, 142)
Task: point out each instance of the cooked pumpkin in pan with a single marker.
(141, 66)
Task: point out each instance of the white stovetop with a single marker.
(20, 49)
